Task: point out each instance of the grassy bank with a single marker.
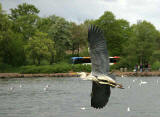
(63, 67)
(56, 68)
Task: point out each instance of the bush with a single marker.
(81, 68)
(156, 65)
(56, 68)
(124, 63)
(5, 67)
(114, 67)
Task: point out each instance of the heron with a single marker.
(102, 80)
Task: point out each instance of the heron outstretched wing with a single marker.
(98, 51)
(100, 66)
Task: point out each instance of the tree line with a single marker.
(26, 38)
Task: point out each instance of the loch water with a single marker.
(70, 97)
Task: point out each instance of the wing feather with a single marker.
(100, 65)
(98, 51)
(100, 95)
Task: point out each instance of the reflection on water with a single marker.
(70, 97)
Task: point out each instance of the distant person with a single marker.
(141, 67)
(136, 67)
(146, 67)
(149, 67)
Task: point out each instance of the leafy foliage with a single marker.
(56, 68)
(39, 47)
(25, 37)
(115, 31)
(141, 44)
(59, 32)
(23, 10)
(24, 19)
(11, 45)
(156, 65)
(78, 38)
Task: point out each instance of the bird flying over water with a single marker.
(101, 79)
(100, 66)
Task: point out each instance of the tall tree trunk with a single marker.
(52, 59)
(34, 61)
(78, 49)
(39, 61)
(73, 49)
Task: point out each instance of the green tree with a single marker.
(40, 47)
(44, 24)
(11, 46)
(23, 10)
(115, 31)
(4, 22)
(142, 43)
(24, 19)
(158, 40)
(59, 32)
(78, 37)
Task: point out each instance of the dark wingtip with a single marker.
(97, 107)
(94, 28)
(100, 95)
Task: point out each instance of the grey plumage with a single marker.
(98, 51)
(100, 66)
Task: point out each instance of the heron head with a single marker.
(82, 74)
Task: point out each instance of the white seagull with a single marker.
(142, 82)
(45, 89)
(47, 86)
(20, 86)
(128, 109)
(11, 88)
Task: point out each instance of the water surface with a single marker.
(70, 97)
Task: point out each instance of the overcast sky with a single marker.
(80, 10)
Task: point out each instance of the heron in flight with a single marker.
(102, 80)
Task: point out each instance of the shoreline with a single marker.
(74, 74)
